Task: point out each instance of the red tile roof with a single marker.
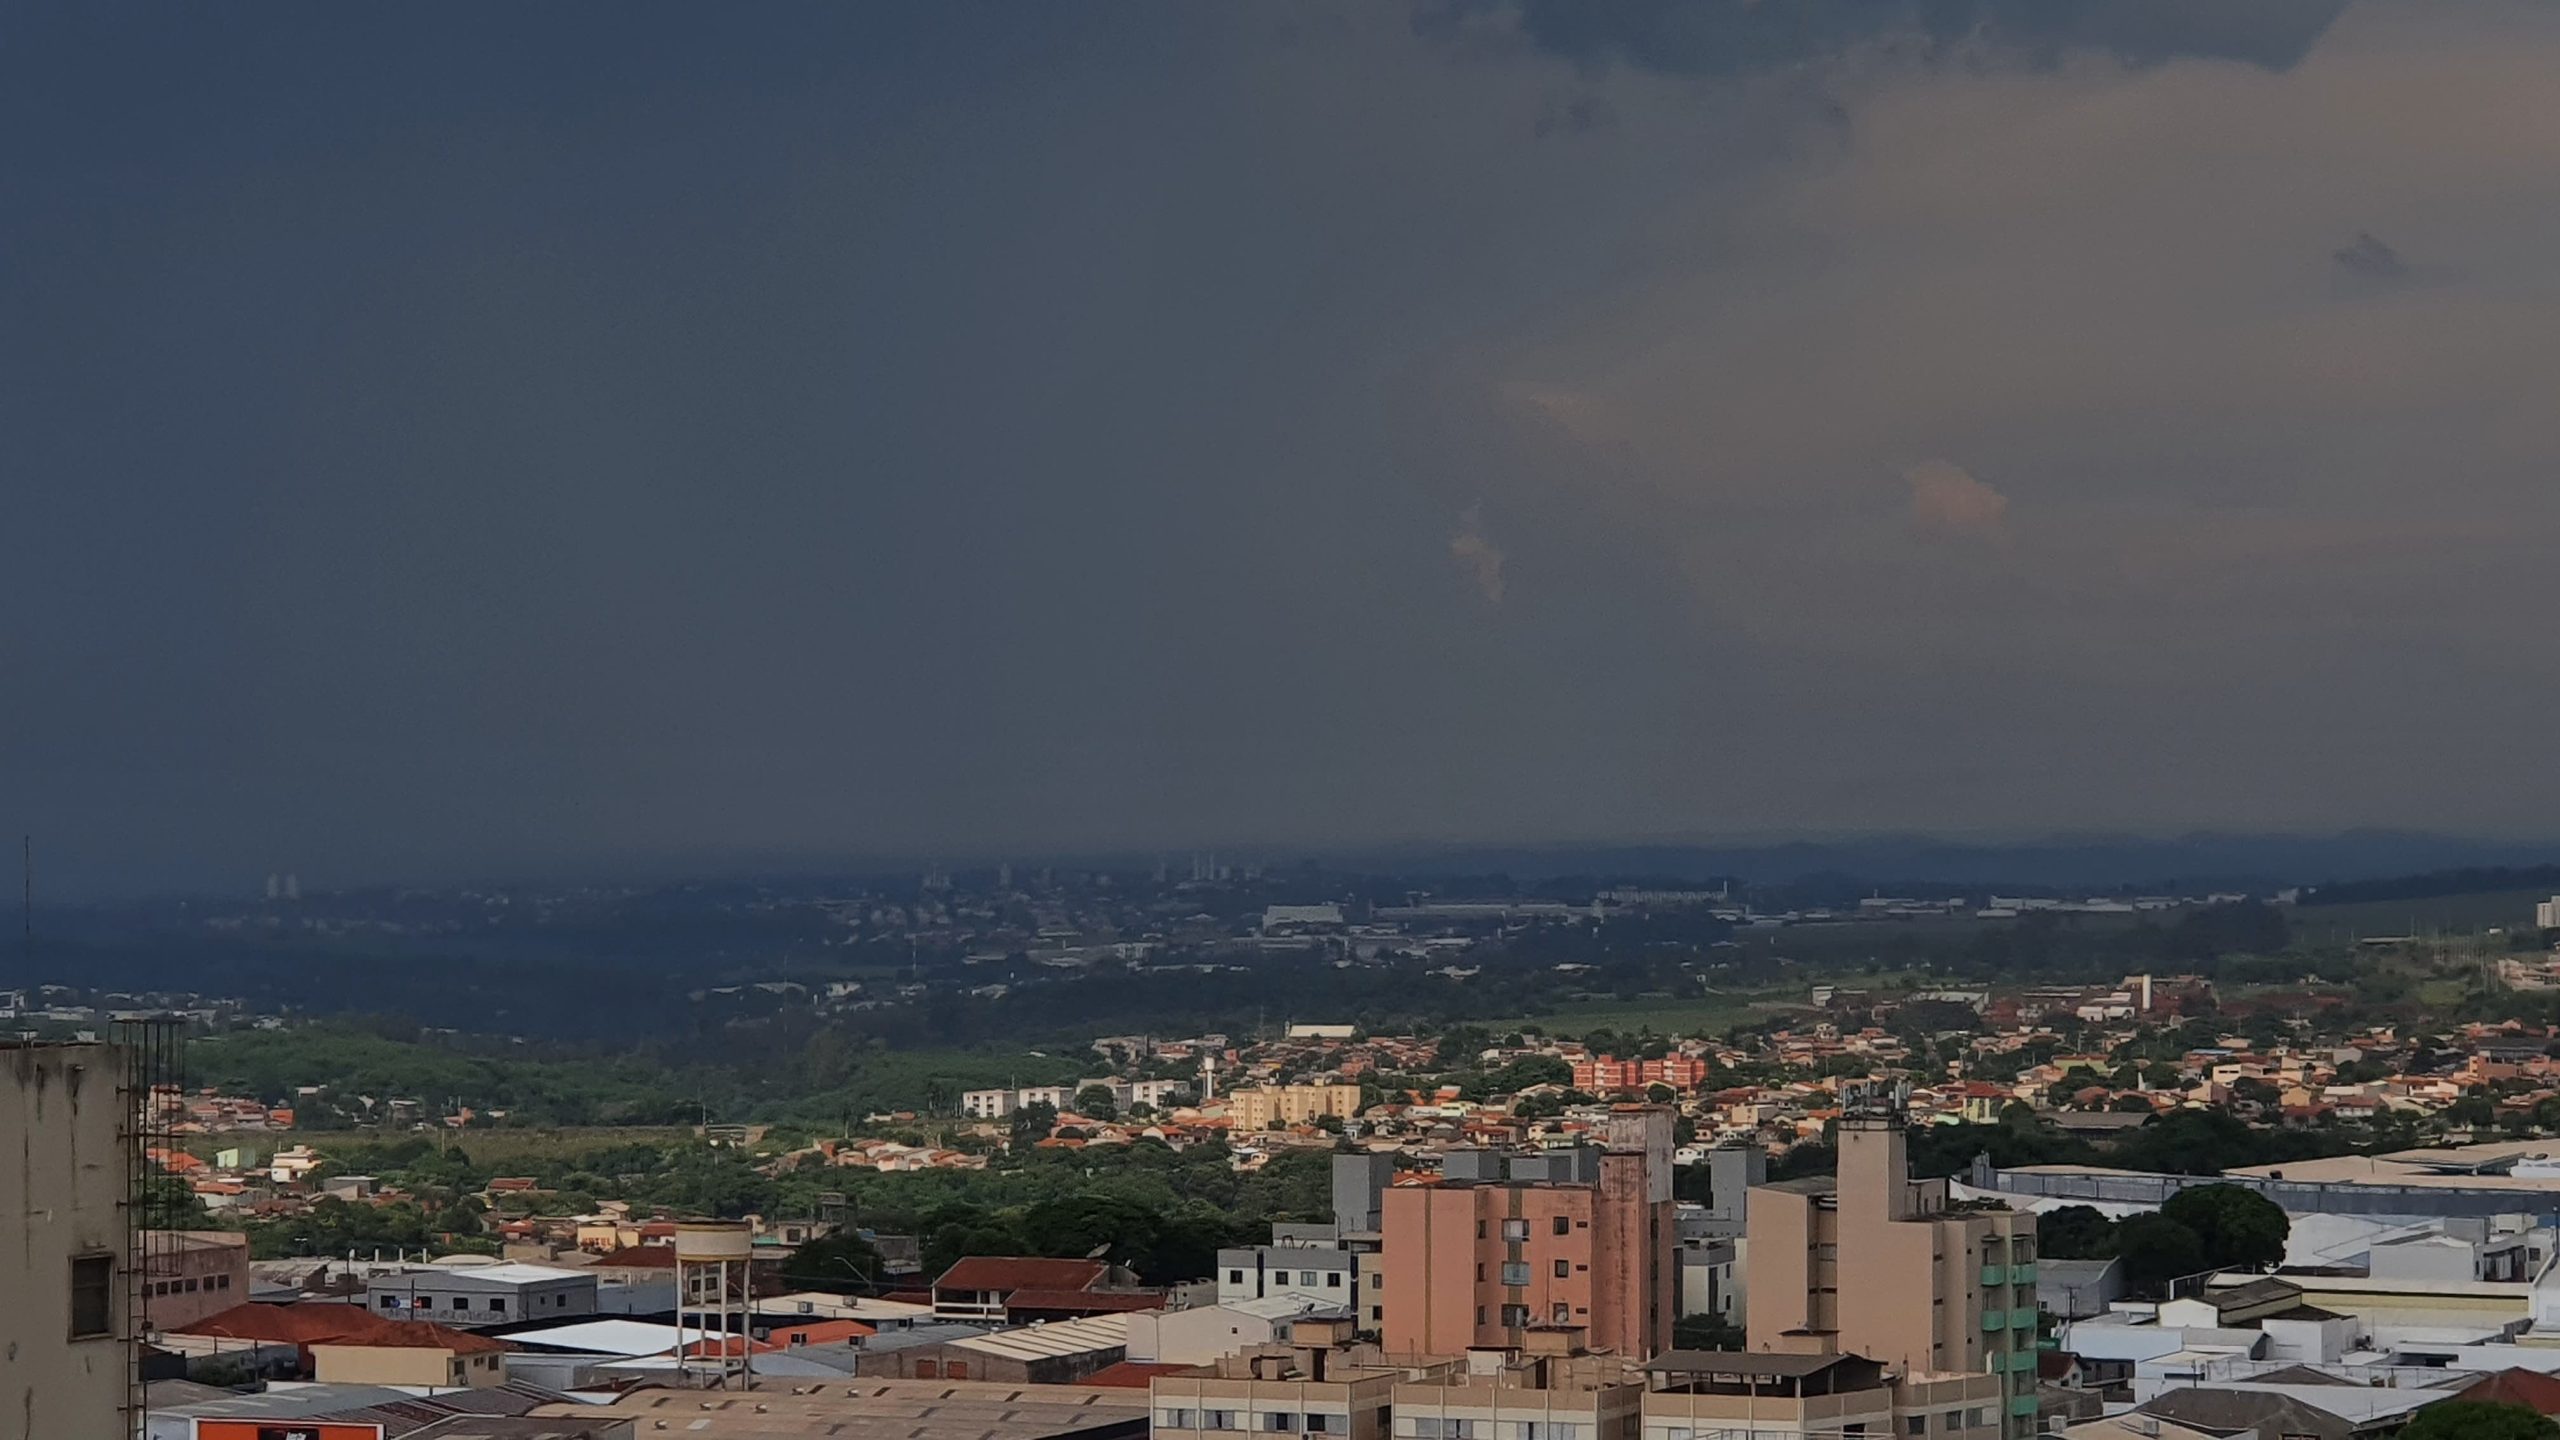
(1008, 1273)
(325, 1323)
(1091, 1302)
(824, 1332)
(2508, 1387)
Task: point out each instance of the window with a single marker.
(1514, 1316)
(1218, 1420)
(461, 1302)
(221, 1282)
(1333, 1280)
(1280, 1422)
(497, 1305)
(1564, 1269)
(1524, 1430)
(1235, 1277)
(1479, 1272)
(1515, 1272)
(1564, 1224)
(1418, 1427)
(1981, 1416)
(390, 1302)
(1322, 1423)
(93, 1290)
(1479, 1229)
(1479, 1315)
(1178, 1419)
(1515, 1229)
(1916, 1425)
(1953, 1419)
(1564, 1430)
(1563, 1312)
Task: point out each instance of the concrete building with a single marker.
(1322, 1277)
(1481, 1259)
(1930, 1289)
(190, 1274)
(2547, 913)
(1304, 1389)
(1203, 1333)
(474, 1296)
(1543, 1395)
(1712, 1394)
(65, 1324)
(1272, 1106)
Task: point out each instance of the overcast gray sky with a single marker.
(471, 438)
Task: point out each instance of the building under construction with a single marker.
(77, 1204)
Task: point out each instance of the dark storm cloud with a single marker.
(1742, 37)
(2368, 258)
(480, 438)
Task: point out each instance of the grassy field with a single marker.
(1708, 1013)
(2440, 916)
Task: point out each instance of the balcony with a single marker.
(1995, 1275)
(2022, 1404)
(1994, 1319)
(2023, 1274)
(2023, 1319)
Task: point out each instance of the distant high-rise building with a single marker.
(275, 886)
(292, 886)
(1878, 1264)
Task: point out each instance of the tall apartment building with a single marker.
(1931, 1289)
(1572, 1241)
(65, 1323)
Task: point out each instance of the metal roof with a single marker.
(1058, 1337)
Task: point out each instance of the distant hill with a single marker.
(2470, 880)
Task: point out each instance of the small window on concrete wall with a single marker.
(93, 1304)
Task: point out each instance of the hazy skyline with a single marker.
(470, 438)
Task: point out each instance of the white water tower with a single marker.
(713, 1304)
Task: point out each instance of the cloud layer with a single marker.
(498, 441)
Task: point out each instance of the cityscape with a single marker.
(1313, 720)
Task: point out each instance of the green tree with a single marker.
(1033, 1122)
(2075, 1232)
(2479, 1420)
(2157, 1250)
(1098, 1102)
(840, 1261)
(2237, 1227)
(1706, 1332)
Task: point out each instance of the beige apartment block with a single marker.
(1273, 1106)
(1878, 1265)
(63, 1307)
